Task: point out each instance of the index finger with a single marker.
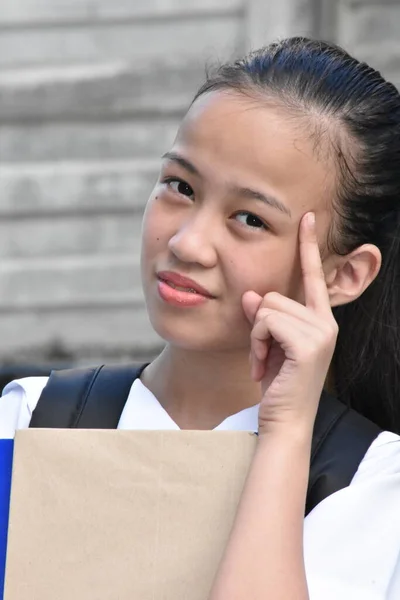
(315, 290)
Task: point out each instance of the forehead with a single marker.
(233, 137)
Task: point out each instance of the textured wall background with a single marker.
(91, 93)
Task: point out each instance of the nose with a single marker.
(194, 242)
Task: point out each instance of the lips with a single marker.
(183, 284)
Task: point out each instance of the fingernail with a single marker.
(311, 219)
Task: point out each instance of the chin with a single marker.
(191, 332)
(185, 335)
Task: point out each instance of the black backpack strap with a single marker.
(94, 398)
(88, 398)
(340, 441)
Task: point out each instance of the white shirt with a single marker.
(351, 539)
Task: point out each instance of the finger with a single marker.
(259, 348)
(251, 303)
(259, 354)
(260, 339)
(257, 366)
(276, 301)
(315, 290)
(283, 328)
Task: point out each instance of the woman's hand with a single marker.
(292, 344)
(291, 349)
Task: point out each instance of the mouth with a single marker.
(180, 291)
(183, 284)
(180, 288)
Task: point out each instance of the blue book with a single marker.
(6, 457)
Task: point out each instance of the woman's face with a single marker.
(225, 213)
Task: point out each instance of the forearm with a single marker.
(264, 556)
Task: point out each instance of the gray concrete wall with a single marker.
(91, 93)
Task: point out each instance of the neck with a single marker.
(199, 390)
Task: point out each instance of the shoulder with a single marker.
(350, 528)
(18, 401)
(381, 460)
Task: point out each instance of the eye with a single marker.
(250, 220)
(180, 187)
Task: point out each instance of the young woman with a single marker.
(274, 231)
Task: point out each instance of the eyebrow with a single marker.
(269, 200)
(239, 191)
(182, 161)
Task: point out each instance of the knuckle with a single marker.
(254, 333)
(321, 342)
(271, 298)
(314, 271)
(328, 327)
(331, 330)
(256, 337)
(263, 314)
(312, 349)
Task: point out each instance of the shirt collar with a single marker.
(143, 411)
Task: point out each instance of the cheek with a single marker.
(153, 231)
(276, 269)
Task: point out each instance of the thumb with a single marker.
(251, 302)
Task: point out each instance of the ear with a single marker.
(347, 277)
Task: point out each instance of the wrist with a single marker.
(296, 434)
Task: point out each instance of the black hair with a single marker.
(360, 113)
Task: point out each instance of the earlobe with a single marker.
(350, 275)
